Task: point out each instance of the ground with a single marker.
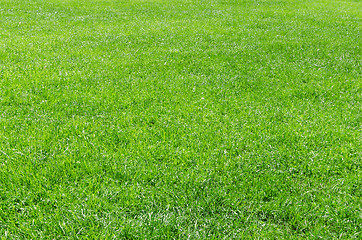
(180, 119)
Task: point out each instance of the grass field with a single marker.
(180, 119)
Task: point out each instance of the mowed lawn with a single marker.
(180, 119)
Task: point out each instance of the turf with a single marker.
(180, 119)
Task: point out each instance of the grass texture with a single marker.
(180, 119)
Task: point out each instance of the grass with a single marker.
(180, 119)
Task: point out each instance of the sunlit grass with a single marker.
(180, 119)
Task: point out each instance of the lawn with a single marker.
(180, 119)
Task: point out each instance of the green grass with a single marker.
(180, 119)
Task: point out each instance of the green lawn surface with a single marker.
(180, 119)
